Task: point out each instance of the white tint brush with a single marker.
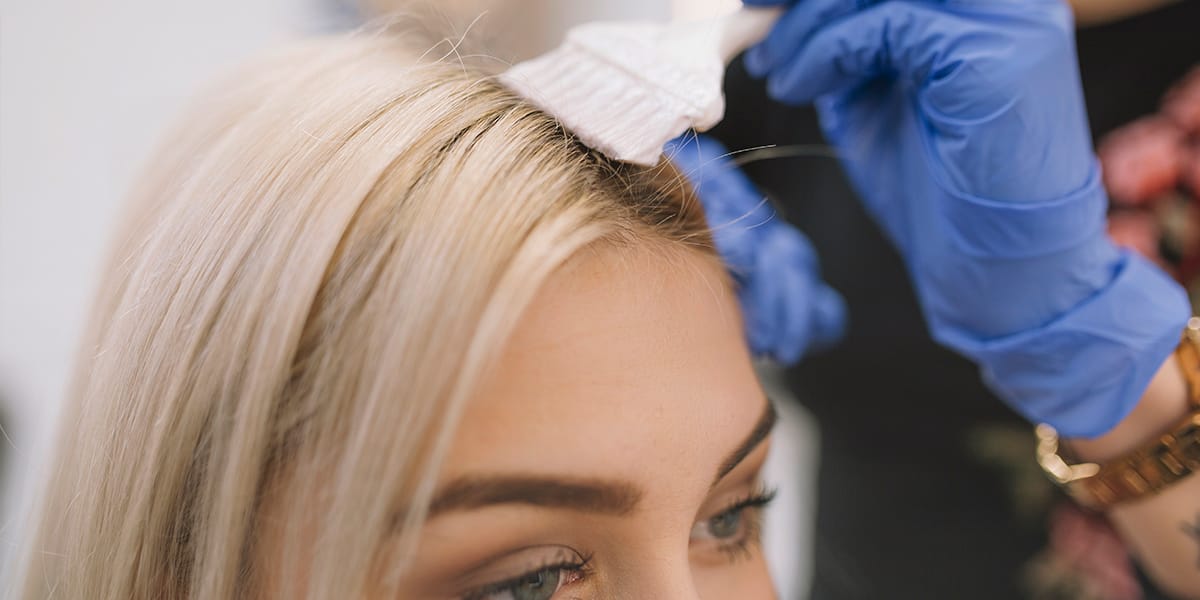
(627, 88)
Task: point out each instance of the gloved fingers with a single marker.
(736, 247)
(793, 312)
(774, 265)
(822, 310)
(786, 240)
(691, 152)
(892, 37)
(757, 295)
(803, 311)
(956, 52)
(793, 31)
(741, 243)
(810, 315)
(915, 42)
(794, 315)
(734, 208)
(859, 122)
(777, 307)
(723, 188)
(828, 315)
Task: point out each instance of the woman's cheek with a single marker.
(746, 579)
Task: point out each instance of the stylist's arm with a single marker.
(962, 125)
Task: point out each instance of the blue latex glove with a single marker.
(787, 308)
(962, 125)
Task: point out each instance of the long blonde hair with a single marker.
(320, 264)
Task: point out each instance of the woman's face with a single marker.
(615, 450)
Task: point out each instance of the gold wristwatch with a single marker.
(1163, 461)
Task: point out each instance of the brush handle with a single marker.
(744, 28)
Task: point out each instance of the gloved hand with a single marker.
(787, 308)
(961, 124)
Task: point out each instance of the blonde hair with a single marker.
(312, 278)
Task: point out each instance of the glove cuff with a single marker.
(1085, 371)
(987, 228)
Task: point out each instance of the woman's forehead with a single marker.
(626, 363)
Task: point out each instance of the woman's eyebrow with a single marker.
(766, 422)
(610, 497)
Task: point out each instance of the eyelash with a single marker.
(579, 568)
(752, 506)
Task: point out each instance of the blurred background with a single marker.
(87, 88)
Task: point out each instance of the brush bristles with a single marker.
(621, 91)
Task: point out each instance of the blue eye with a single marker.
(727, 524)
(539, 584)
(735, 531)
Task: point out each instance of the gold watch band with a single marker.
(1167, 459)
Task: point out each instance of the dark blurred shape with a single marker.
(1127, 65)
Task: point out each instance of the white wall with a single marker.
(85, 88)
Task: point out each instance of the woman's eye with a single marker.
(540, 585)
(727, 524)
(535, 585)
(735, 531)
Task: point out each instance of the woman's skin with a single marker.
(621, 421)
(1167, 545)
